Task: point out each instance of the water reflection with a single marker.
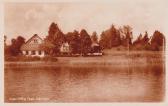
(79, 84)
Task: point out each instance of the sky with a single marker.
(27, 19)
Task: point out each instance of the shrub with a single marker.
(36, 58)
(49, 58)
(10, 58)
(24, 58)
(28, 58)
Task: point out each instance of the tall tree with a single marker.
(56, 37)
(142, 43)
(157, 41)
(85, 42)
(115, 36)
(73, 39)
(94, 37)
(110, 38)
(126, 33)
(145, 39)
(138, 40)
(105, 41)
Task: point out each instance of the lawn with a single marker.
(115, 58)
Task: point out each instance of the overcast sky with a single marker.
(26, 19)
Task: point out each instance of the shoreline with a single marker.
(90, 62)
(134, 58)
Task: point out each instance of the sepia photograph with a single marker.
(85, 52)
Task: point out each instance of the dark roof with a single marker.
(35, 35)
(29, 47)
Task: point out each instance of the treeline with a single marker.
(123, 36)
(80, 42)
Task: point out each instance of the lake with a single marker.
(85, 84)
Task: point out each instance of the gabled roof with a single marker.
(35, 35)
(29, 46)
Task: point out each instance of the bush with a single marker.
(49, 58)
(36, 58)
(10, 58)
(30, 58)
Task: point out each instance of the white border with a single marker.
(165, 103)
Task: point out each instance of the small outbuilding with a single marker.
(95, 50)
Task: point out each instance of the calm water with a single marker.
(93, 84)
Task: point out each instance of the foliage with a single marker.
(30, 58)
(55, 37)
(85, 42)
(157, 41)
(80, 43)
(22, 58)
(49, 58)
(94, 37)
(126, 35)
(74, 41)
(14, 48)
(142, 43)
(122, 36)
(114, 37)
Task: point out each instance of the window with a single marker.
(33, 52)
(27, 52)
(35, 41)
(39, 52)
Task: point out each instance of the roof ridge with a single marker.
(33, 37)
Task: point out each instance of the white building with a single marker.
(33, 47)
(65, 48)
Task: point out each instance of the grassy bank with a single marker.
(29, 59)
(114, 59)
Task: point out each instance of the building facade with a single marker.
(65, 48)
(33, 47)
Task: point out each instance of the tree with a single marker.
(94, 37)
(145, 39)
(110, 38)
(142, 43)
(16, 45)
(73, 39)
(126, 31)
(55, 37)
(115, 36)
(104, 41)
(85, 42)
(157, 41)
(48, 47)
(138, 40)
